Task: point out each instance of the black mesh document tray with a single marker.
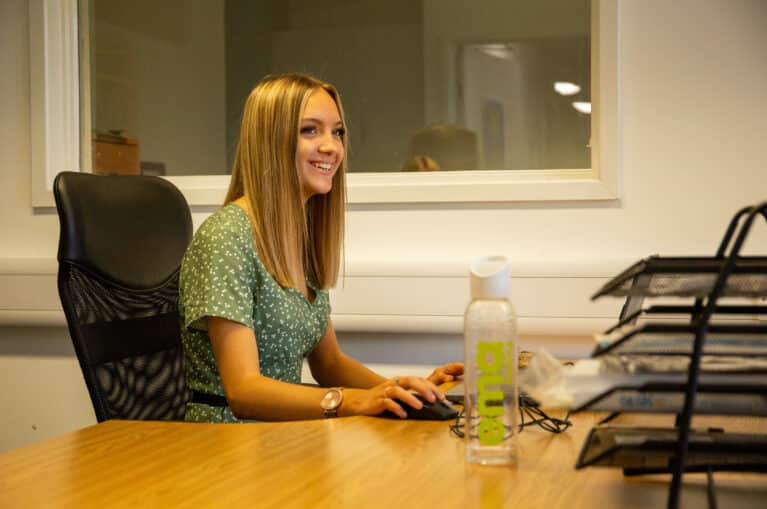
(651, 449)
(717, 394)
(678, 338)
(706, 357)
(657, 276)
(737, 314)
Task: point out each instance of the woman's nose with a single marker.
(328, 144)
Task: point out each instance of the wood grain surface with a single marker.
(357, 462)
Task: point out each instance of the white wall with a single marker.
(692, 151)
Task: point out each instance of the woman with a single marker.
(254, 281)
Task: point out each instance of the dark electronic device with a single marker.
(437, 411)
(455, 395)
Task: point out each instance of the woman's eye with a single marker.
(340, 132)
(309, 130)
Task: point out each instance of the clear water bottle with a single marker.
(490, 360)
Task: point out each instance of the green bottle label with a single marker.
(492, 359)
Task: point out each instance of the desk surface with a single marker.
(357, 462)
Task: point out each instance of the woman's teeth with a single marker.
(323, 166)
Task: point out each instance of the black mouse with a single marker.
(437, 411)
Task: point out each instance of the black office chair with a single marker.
(120, 247)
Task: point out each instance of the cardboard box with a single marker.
(116, 155)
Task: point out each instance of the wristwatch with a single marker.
(331, 401)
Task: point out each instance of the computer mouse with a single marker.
(437, 411)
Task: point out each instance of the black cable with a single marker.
(540, 418)
(527, 409)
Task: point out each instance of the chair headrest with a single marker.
(132, 230)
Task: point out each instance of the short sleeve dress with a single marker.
(222, 276)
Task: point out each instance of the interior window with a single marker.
(427, 85)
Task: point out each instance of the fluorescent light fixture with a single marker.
(501, 51)
(566, 88)
(582, 107)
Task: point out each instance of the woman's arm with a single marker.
(331, 367)
(249, 394)
(253, 396)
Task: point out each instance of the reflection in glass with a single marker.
(504, 94)
(443, 147)
(582, 107)
(427, 84)
(566, 88)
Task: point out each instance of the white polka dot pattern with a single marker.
(222, 276)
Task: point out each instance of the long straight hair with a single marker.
(265, 172)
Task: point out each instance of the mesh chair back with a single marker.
(120, 247)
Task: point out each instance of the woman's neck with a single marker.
(242, 202)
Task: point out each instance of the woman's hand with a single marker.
(447, 373)
(382, 397)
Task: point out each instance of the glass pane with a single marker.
(429, 84)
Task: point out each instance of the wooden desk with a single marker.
(358, 462)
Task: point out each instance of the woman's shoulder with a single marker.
(223, 245)
(227, 222)
(228, 226)
(230, 217)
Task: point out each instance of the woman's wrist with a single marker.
(350, 404)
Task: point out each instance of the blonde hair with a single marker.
(266, 174)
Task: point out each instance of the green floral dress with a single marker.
(222, 276)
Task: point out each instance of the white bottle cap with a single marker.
(490, 277)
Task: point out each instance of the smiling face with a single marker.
(320, 147)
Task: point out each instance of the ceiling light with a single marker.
(582, 107)
(566, 88)
(502, 51)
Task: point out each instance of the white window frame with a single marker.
(56, 130)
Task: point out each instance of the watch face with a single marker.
(331, 400)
